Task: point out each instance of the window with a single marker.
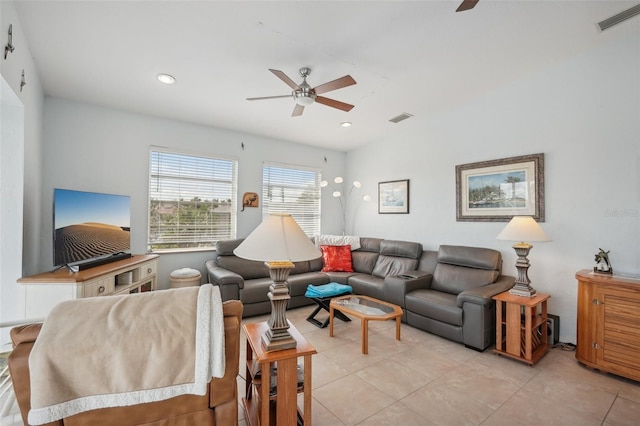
(294, 190)
(192, 200)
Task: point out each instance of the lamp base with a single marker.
(277, 337)
(522, 290)
(522, 285)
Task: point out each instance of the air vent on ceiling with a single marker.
(622, 16)
(401, 117)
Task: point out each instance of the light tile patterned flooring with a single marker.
(426, 380)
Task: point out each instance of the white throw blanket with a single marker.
(338, 240)
(125, 350)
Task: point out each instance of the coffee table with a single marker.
(367, 309)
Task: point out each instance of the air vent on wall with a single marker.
(622, 16)
(401, 117)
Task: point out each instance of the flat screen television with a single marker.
(89, 226)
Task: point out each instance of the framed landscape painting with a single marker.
(497, 190)
(393, 196)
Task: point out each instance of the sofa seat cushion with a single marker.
(298, 283)
(435, 304)
(367, 285)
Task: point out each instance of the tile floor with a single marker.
(426, 380)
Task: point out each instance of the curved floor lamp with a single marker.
(278, 241)
(522, 228)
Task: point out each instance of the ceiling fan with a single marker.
(304, 94)
(466, 5)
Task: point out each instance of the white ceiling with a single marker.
(418, 57)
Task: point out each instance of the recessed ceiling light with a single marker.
(346, 124)
(166, 79)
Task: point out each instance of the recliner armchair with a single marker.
(456, 303)
(218, 407)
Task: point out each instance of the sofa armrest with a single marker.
(223, 389)
(483, 295)
(229, 282)
(396, 287)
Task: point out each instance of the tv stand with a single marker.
(41, 292)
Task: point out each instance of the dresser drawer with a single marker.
(102, 287)
(148, 269)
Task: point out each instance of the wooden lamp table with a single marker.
(259, 398)
(517, 322)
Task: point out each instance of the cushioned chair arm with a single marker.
(482, 295)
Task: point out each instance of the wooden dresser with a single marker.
(608, 324)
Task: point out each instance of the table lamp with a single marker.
(278, 241)
(522, 228)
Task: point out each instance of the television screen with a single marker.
(89, 225)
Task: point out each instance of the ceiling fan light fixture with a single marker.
(345, 124)
(303, 98)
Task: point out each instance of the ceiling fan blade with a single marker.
(333, 103)
(268, 97)
(466, 5)
(282, 76)
(339, 83)
(297, 111)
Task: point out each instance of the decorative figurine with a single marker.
(603, 265)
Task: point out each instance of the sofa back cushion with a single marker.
(247, 269)
(364, 259)
(463, 268)
(396, 258)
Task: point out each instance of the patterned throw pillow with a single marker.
(336, 259)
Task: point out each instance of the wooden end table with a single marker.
(517, 322)
(367, 309)
(259, 397)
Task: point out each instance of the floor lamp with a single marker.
(523, 228)
(278, 241)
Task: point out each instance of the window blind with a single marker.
(294, 190)
(192, 200)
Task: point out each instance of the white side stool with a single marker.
(184, 277)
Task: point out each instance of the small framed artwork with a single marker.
(393, 197)
(497, 190)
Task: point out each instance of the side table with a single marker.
(517, 322)
(262, 405)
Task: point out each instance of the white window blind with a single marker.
(192, 200)
(294, 190)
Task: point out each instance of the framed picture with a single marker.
(393, 196)
(497, 190)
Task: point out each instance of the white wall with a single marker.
(21, 122)
(89, 148)
(583, 114)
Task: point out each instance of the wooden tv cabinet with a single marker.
(608, 323)
(41, 292)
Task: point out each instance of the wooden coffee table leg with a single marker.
(398, 328)
(330, 321)
(365, 335)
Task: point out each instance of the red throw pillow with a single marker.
(336, 259)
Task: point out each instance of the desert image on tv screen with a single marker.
(89, 225)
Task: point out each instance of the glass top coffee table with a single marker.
(367, 309)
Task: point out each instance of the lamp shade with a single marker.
(278, 239)
(523, 228)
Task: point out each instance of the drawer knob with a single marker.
(101, 289)
(149, 270)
